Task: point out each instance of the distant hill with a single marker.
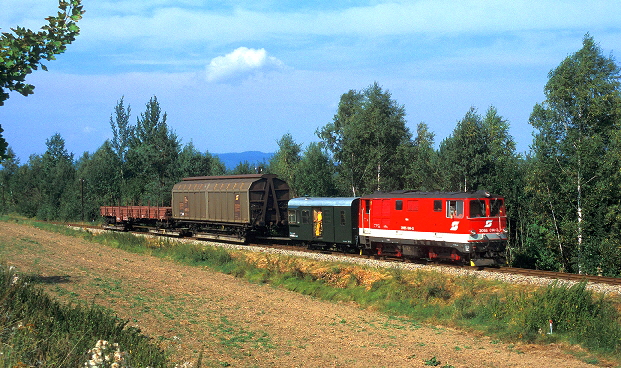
(231, 160)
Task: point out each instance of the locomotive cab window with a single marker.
(293, 216)
(477, 208)
(496, 207)
(398, 205)
(454, 209)
(437, 206)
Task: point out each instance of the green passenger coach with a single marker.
(324, 222)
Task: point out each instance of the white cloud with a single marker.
(242, 61)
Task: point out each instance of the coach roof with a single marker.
(321, 202)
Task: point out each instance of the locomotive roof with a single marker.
(419, 194)
(321, 201)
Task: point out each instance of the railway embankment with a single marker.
(408, 316)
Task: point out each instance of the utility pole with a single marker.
(82, 195)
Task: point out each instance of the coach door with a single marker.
(318, 222)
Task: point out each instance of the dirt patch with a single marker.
(233, 322)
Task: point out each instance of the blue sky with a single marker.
(235, 76)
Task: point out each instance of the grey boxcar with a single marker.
(240, 205)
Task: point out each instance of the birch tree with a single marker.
(368, 141)
(574, 127)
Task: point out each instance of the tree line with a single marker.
(563, 196)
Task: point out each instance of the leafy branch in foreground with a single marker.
(22, 50)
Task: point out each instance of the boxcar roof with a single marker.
(321, 202)
(226, 177)
(219, 185)
(229, 183)
(417, 194)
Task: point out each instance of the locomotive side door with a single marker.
(366, 216)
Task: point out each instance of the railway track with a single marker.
(557, 275)
(613, 281)
(501, 270)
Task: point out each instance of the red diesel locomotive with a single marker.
(466, 228)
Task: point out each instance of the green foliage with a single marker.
(38, 331)
(122, 131)
(368, 141)
(99, 179)
(315, 174)
(9, 170)
(152, 157)
(480, 154)
(243, 168)
(191, 162)
(422, 173)
(22, 50)
(575, 312)
(138, 166)
(573, 177)
(3, 146)
(285, 161)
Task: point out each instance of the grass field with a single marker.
(505, 311)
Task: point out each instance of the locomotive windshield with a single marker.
(477, 208)
(497, 207)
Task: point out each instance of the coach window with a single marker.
(455, 209)
(477, 208)
(398, 205)
(293, 217)
(437, 206)
(306, 217)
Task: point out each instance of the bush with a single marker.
(38, 331)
